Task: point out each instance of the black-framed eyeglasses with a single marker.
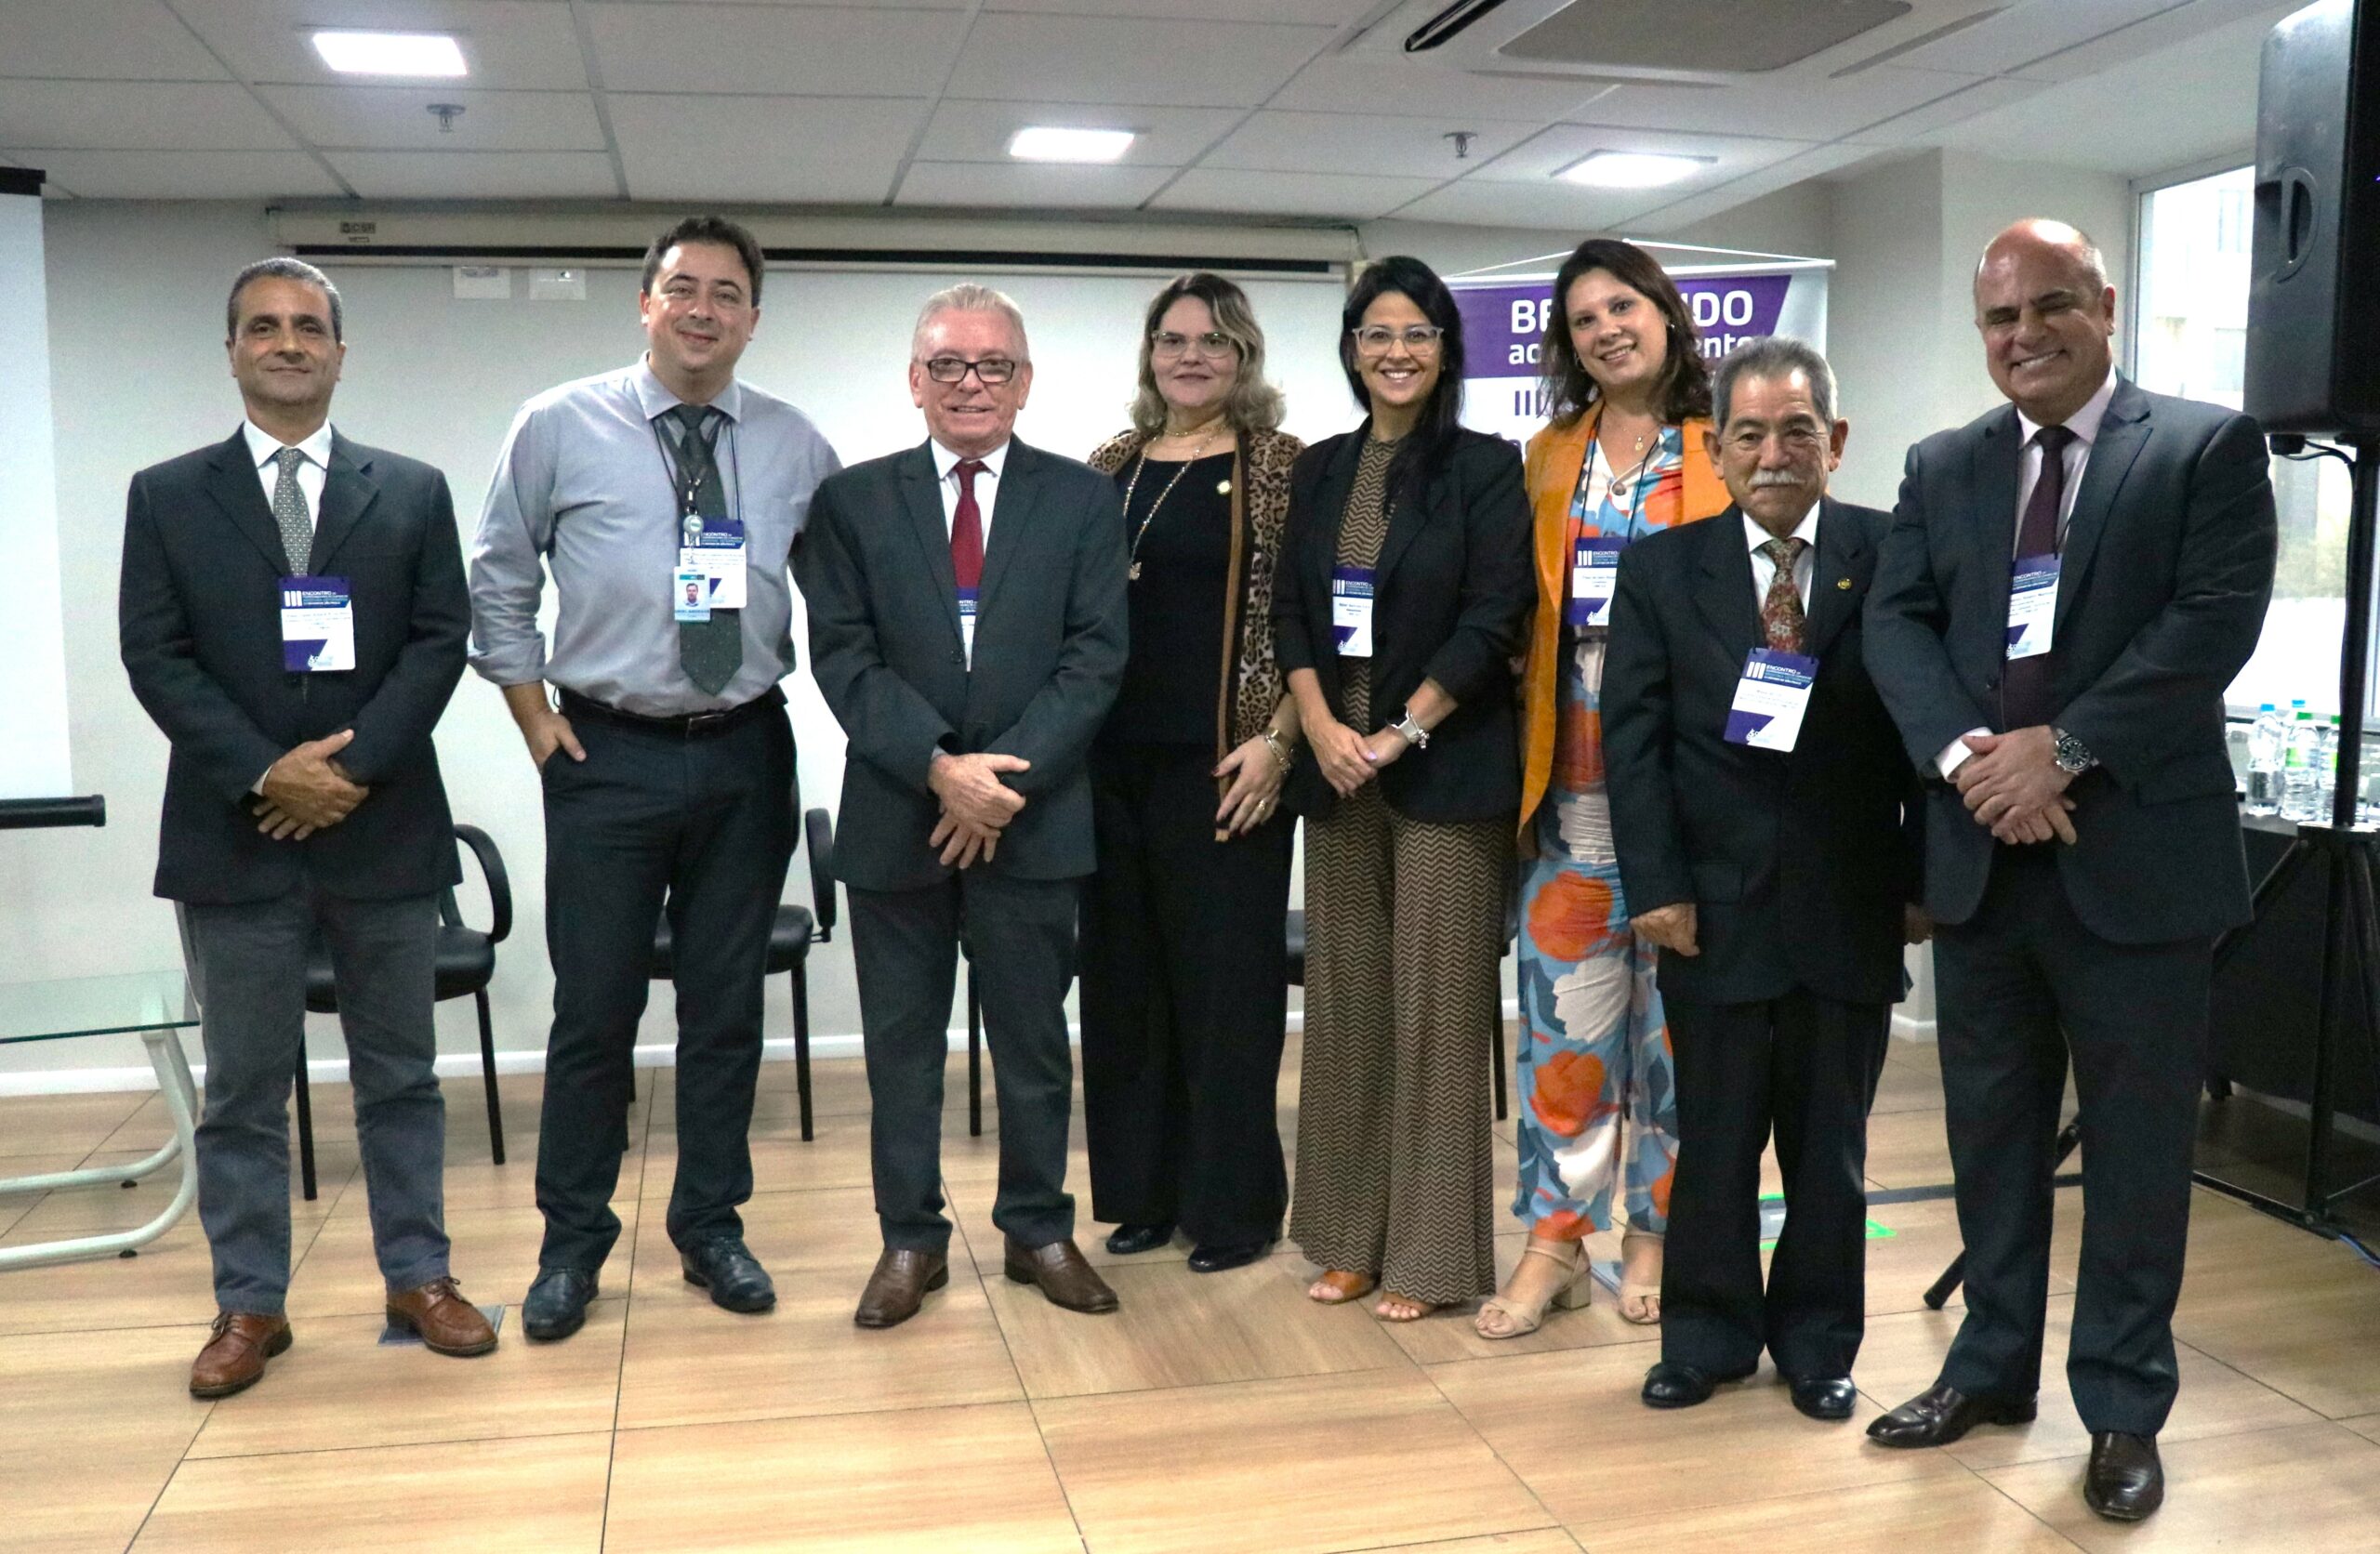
(1374, 339)
(991, 372)
(1213, 343)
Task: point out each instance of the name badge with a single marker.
(970, 599)
(1351, 611)
(2032, 605)
(714, 547)
(1771, 699)
(317, 625)
(1594, 571)
(690, 593)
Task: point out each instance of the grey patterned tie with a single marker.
(710, 651)
(289, 512)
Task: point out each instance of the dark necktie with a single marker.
(710, 651)
(2027, 696)
(289, 513)
(1780, 613)
(967, 527)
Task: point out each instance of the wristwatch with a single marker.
(1409, 728)
(2073, 758)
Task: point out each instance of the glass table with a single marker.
(154, 1006)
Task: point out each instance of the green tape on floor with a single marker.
(1772, 1221)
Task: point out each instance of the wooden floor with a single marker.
(1214, 1413)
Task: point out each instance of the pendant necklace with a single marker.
(1132, 572)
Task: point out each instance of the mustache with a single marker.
(1777, 477)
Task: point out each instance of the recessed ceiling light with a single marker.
(1633, 169)
(1053, 143)
(390, 53)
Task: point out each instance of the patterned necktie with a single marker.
(289, 512)
(710, 651)
(967, 527)
(1780, 613)
(2027, 697)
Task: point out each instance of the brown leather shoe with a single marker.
(1062, 1274)
(447, 1323)
(898, 1286)
(237, 1347)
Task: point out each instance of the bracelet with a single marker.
(1280, 751)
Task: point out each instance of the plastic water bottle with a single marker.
(2326, 772)
(2299, 759)
(2265, 737)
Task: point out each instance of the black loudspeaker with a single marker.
(2313, 349)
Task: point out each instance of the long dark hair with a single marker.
(1685, 389)
(1441, 419)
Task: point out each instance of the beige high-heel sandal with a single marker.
(1639, 1303)
(1502, 1317)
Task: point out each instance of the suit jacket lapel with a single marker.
(1724, 592)
(2122, 433)
(921, 499)
(237, 490)
(348, 492)
(1834, 592)
(1329, 505)
(1406, 518)
(1010, 512)
(1994, 485)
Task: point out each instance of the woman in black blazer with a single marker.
(1404, 587)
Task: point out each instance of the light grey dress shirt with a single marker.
(581, 487)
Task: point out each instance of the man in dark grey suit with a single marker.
(967, 626)
(292, 613)
(2068, 586)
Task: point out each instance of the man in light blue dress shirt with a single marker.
(667, 758)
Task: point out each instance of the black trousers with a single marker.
(1020, 936)
(1807, 1067)
(2020, 986)
(706, 823)
(1184, 999)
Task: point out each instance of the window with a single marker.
(2190, 337)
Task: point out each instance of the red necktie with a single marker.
(1780, 611)
(967, 528)
(2026, 695)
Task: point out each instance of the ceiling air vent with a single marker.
(1739, 37)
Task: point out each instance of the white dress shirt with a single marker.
(1806, 565)
(988, 486)
(2085, 424)
(265, 449)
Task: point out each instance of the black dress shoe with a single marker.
(2124, 1481)
(1214, 1259)
(1941, 1414)
(1131, 1239)
(1823, 1397)
(1669, 1385)
(556, 1305)
(734, 1277)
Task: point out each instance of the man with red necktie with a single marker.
(967, 629)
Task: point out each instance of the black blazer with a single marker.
(2168, 565)
(874, 565)
(1451, 596)
(1798, 863)
(199, 626)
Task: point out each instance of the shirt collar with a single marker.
(944, 461)
(1807, 530)
(655, 399)
(263, 447)
(2083, 423)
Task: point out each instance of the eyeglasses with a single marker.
(1212, 343)
(1374, 339)
(991, 372)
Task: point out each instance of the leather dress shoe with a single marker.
(898, 1286)
(2125, 1481)
(1061, 1271)
(1669, 1385)
(1214, 1259)
(556, 1305)
(1942, 1414)
(237, 1347)
(447, 1323)
(726, 1268)
(1823, 1397)
(1128, 1240)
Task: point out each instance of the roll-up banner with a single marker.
(1504, 319)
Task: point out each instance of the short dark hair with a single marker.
(1441, 419)
(281, 267)
(1769, 358)
(1686, 380)
(705, 229)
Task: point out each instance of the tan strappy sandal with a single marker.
(1639, 1303)
(1341, 1287)
(1502, 1317)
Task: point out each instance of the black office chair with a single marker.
(466, 963)
(1297, 978)
(795, 928)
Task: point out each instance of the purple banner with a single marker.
(1503, 327)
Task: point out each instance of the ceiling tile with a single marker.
(154, 175)
(1916, 125)
(1282, 143)
(1190, 65)
(1315, 13)
(701, 47)
(1806, 108)
(522, 44)
(1028, 184)
(1816, 163)
(1538, 159)
(980, 131)
(123, 115)
(392, 118)
(1551, 206)
(461, 175)
(797, 151)
(2033, 35)
(1370, 83)
(1325, 194)
(101, 40)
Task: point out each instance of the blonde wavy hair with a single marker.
(1253, 404)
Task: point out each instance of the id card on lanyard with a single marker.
(1351, 612)
(1771, 699)
(970, 601)
(317, 625)
(2032, 605)
(1595, 559)
(1594, 573)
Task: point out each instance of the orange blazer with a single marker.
(1552, 472)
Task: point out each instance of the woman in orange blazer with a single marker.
(1630, 400)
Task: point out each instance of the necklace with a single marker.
(1132, 572)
